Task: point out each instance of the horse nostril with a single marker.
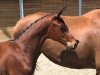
(77, 41)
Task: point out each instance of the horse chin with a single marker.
(70, 46)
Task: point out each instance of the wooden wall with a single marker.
(9, 9)
(9, 12)
(89, 5)
(51, 6)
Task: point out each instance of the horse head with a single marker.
(59, 31)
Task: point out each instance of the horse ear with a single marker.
(60, 12)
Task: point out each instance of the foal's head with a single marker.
(59, 31)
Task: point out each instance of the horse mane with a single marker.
(31, 24)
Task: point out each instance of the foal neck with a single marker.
(32, 36)
(29, 42)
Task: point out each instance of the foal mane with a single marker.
(31, 24)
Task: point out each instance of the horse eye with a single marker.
(63, 28)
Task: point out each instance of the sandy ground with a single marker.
(45, 66)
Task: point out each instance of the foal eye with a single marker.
(63, 28)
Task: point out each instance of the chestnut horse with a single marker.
(19, 56)
(85, 28)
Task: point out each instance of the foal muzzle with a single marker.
(72, 45)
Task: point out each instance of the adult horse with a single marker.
(85, 28)
(19, 56)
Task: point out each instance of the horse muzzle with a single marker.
(72, 45)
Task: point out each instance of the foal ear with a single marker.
(60, 12)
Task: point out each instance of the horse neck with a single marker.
(29, 42)
(32, 36)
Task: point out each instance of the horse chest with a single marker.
(19, 63)
(25, 61)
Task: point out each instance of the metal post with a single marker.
(21, 9)
(80, 7)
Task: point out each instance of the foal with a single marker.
(19, 56)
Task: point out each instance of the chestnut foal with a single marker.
(19, 56)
